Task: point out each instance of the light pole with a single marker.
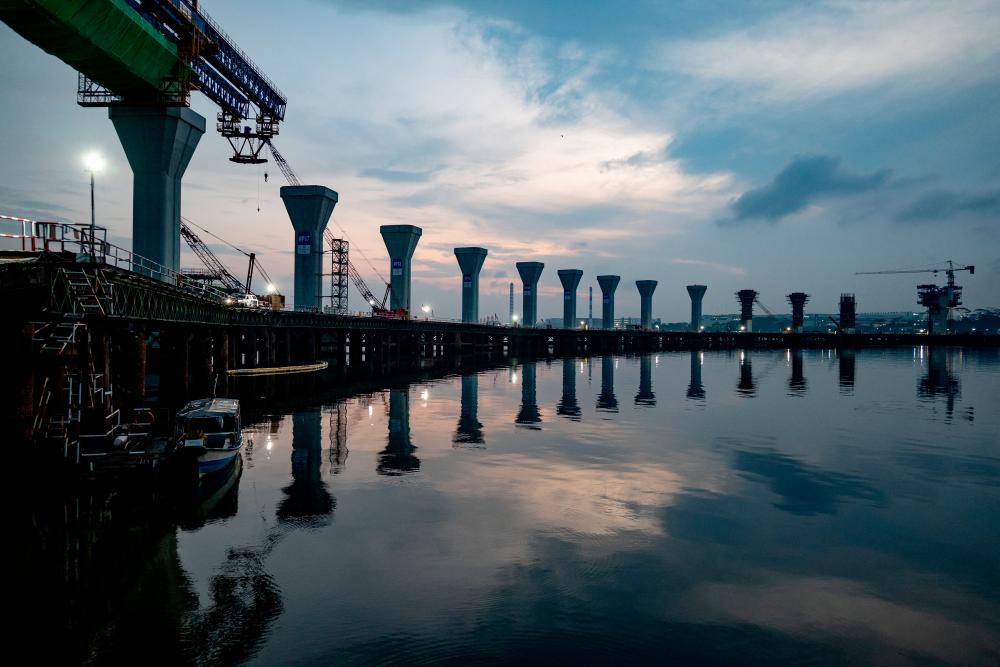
(94, 163)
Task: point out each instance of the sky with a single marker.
(767, 145)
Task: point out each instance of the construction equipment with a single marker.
(241, 291)
(216, 269)
(338, 251)
(781, 322)
(939, 301)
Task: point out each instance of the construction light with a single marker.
(93, 161)
(272, 288)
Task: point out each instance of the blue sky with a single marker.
(776, 146)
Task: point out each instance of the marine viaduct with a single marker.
(131, 325)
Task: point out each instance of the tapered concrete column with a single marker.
(697, 293)
(608, 286)
(400, 241)
(530, 273)
(159, 143)
(309, 208)
(570, 279)
(470, 260)
(646, 288)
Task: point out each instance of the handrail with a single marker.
(46, 236)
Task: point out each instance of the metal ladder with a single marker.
(55, 337)
(84, 292)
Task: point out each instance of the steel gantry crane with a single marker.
(209, 61)
(939, 301)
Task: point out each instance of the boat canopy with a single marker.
(211, 411)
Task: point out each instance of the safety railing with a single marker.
(26, 235)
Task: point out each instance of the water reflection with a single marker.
(568, 406)
(695, 389)
(803, 489)
(845, 370)
(397, 458)
(528, 415)
(746, 387)
(470, 429)
(939, 382)
(797, 382)
(645, 397)
(307, 497)
(606, 400)
(337, 455)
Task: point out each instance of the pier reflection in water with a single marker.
(470, 429)
(528, 415)
(824, 527)
(746, 387)
(845, 370)
(307, 497)
(606, 400)
(797, 381)
(398, 458)
(568, 406)
(645, 395)
(939, 382)
(695, 389)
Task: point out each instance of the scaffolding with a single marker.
(339, 274)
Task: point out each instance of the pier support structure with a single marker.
(530, 273)
(697, 293)
(646, 288)
(570, 279)
(400, 241)
(470, 260)
(309, 208)
(608, 286)
(159, 143)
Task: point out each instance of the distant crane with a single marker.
(780, 321)
(939, 301)
(377, 305)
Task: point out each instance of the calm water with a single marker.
(764, 508)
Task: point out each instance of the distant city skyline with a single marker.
(762, 145)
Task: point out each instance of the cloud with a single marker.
(814, 51)
(801, 182)
(396, 175)
(939, 205)
(714, 266)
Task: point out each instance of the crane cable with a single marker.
(358, 248)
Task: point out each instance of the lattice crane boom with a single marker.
(211, 262)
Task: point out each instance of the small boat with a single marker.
(209, 428)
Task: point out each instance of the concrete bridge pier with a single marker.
(646, 289)
(400, 241)
(570, 279)
(159, 143)
(608, 286)
(530, 272)
(309, 208)
(470, 260)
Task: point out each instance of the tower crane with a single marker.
(377, 305)
(939, 301)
